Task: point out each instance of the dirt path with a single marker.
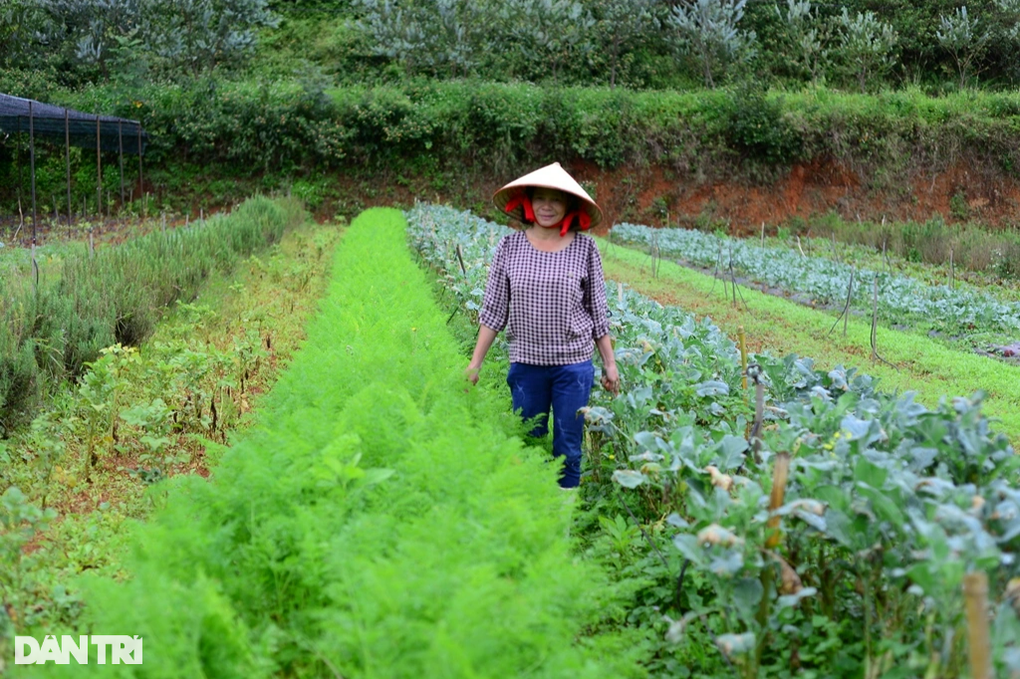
(782, 327)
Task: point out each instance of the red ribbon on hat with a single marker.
(521, 200)
(583, 221)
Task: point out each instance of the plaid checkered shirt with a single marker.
(552, 304)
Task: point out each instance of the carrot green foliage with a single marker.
(382, 520)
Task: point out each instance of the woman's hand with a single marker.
(472, 373)
(611, 379)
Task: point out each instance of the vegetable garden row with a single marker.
(380, 521)
(835, 543)
(900, 298)
(50, 329)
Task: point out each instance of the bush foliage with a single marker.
(292, 128)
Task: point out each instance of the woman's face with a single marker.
(550, 206)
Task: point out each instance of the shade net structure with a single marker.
(61, 125)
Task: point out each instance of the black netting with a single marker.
(53, 123)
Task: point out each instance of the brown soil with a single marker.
(816, 188)
(650, 195)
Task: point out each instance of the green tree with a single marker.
(621, 24)
(867, 45)
(707, 29)
(440, 38)
(806, 34)
(83, 31)
(964, 37)
(548, 33)
(198, 35)
(19, 21)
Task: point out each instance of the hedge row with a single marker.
(288, 126)
(117, 295)
(380, 522)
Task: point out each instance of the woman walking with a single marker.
(547, 289)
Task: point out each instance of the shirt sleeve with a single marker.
(496, 302)
(594, 299)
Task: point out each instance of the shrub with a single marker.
(758, 129)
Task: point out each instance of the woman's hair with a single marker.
(573, 203)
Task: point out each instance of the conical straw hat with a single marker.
(549, 177)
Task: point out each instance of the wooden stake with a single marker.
(743, 356)
(35, 271)
(846, 307)
(975, 591)
(780, 475)
(763, 234)
(31, 156)
(99, 170)
(874, 326)
(120, 142)
(67, 163)
(952, 270)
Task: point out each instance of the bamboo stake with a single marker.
(763, 234)
(99, 170)
(975, 591)
(874, 327)
(780, 476)
(743, 356)
(846, 307)
(952, 270)
(120, 142)
(31, 156)
(141, 186)
(35, 272)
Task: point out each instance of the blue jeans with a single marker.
(566, 388)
